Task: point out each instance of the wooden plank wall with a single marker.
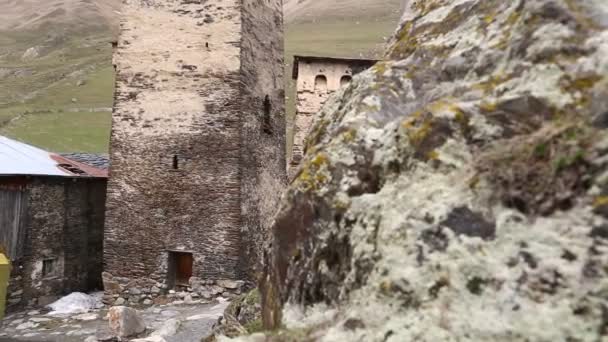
(12, 216)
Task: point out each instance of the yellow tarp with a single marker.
(5, 271)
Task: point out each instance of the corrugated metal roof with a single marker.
(17, 158)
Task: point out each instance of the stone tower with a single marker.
(197, 146)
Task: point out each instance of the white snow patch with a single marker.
(74, 303)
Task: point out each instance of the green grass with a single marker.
(60, 130)
(338, 38)
(35, 107)
(63, 132)
(96, 92)
(59, 61)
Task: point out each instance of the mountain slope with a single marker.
(55, 69)
(27, 15)
(314, 10)
(55, 60)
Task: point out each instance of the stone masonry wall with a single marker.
(263, 125)
(187, 140)
(64, 225)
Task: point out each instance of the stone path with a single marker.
(37, 326)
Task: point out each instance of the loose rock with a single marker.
(125, 322)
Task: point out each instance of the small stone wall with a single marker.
(145, 291)
(63, 223)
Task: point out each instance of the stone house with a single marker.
(51, 222)
(316, 79)
(197, 145)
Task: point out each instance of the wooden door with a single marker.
(183, 268)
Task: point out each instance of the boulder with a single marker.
(31, 53)
(125, 322)
(456, 190)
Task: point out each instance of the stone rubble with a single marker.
(123, 291)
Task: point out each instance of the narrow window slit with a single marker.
(267, 124)
(175, 162)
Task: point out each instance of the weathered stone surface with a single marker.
(169, 328)
(26, 325)
(86, 317)
(125, 322)
(454, 191)
(317, 78)
(150, 339)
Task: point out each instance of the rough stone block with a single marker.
(230, 284)
(125, 322)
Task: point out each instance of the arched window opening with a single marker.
(345, 80)
(321, 83)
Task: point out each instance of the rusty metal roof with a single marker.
(17, 158)
(100, 161)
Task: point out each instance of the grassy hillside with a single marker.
(56, 79)
(299, 11)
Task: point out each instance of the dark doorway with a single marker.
(180, 268)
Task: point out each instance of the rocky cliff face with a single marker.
(458, 190)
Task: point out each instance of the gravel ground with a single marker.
(35, 326)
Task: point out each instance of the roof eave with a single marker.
(297, 58)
